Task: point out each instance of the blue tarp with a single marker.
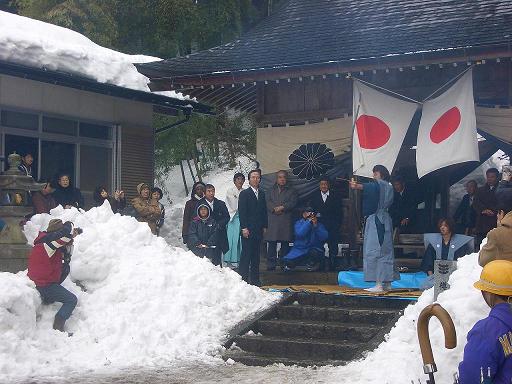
(355, 279)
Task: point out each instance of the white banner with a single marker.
(380, 125)
(447, 134)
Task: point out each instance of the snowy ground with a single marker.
(202, 373)
(147, 304)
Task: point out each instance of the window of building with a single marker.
(92, 177)
(19, 120)
(60, 126)
(57, 158)
(95, 131)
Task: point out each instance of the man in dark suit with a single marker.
(252, 211)
(403, 209)
(327, 205)
(485, 205)
(219, 212)
(465, 215)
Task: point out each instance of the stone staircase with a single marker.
(313, 329)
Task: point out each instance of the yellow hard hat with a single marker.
(496, 277)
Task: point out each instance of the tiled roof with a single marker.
(305, 32)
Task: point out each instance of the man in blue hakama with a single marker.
(378, 255)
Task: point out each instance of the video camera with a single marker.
(78, 230)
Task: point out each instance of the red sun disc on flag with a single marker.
(445, 126)
(372, 132)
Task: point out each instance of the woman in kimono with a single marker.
(378, 257)
(232, 256)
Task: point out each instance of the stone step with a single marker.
(350, 301)
(302, 349)
(260, 360)
(310, 330)
(298, 278)
(335, 314)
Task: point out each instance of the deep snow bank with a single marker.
(398, 359)
(42, 45)
(146, 303)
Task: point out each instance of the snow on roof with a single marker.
(38, 44)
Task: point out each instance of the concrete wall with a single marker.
(44, 97)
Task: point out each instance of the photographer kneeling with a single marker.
(48, 267)
(308, 246)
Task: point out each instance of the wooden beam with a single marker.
(303, 116)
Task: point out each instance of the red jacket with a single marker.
(45, 260)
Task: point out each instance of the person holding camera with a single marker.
(308, 247)
(117, 201)
(48, 267)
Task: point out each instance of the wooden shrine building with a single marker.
(292, 72)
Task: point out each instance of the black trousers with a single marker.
(217, 256)
(249, 266)
(272, 252)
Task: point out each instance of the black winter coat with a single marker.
(203, 232)
(68, 196)
(221, 216)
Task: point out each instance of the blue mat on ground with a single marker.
(355, 279)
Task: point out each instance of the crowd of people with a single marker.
(145, 207)
(309, 234)
(234, 231)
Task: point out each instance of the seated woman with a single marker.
(445, 245)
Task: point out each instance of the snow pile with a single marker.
(398, 359)
(38, 44)
(145, 303)
(175, 197)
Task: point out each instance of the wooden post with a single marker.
(184, 179)
(190, 169)
(354, 217)
(445, 193)
(430, 204)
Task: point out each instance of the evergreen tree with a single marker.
(93, 18)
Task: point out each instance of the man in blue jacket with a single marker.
(310, 236)
(488, 352)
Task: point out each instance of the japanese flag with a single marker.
(447, 133)
(380, 125)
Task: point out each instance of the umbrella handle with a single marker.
(450, 335)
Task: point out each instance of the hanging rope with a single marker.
(408, 98)
(448, 83)
(384, 89)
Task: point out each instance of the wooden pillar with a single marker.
(354, 218)
(430, 204)
(510, 83)
(445, 192)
